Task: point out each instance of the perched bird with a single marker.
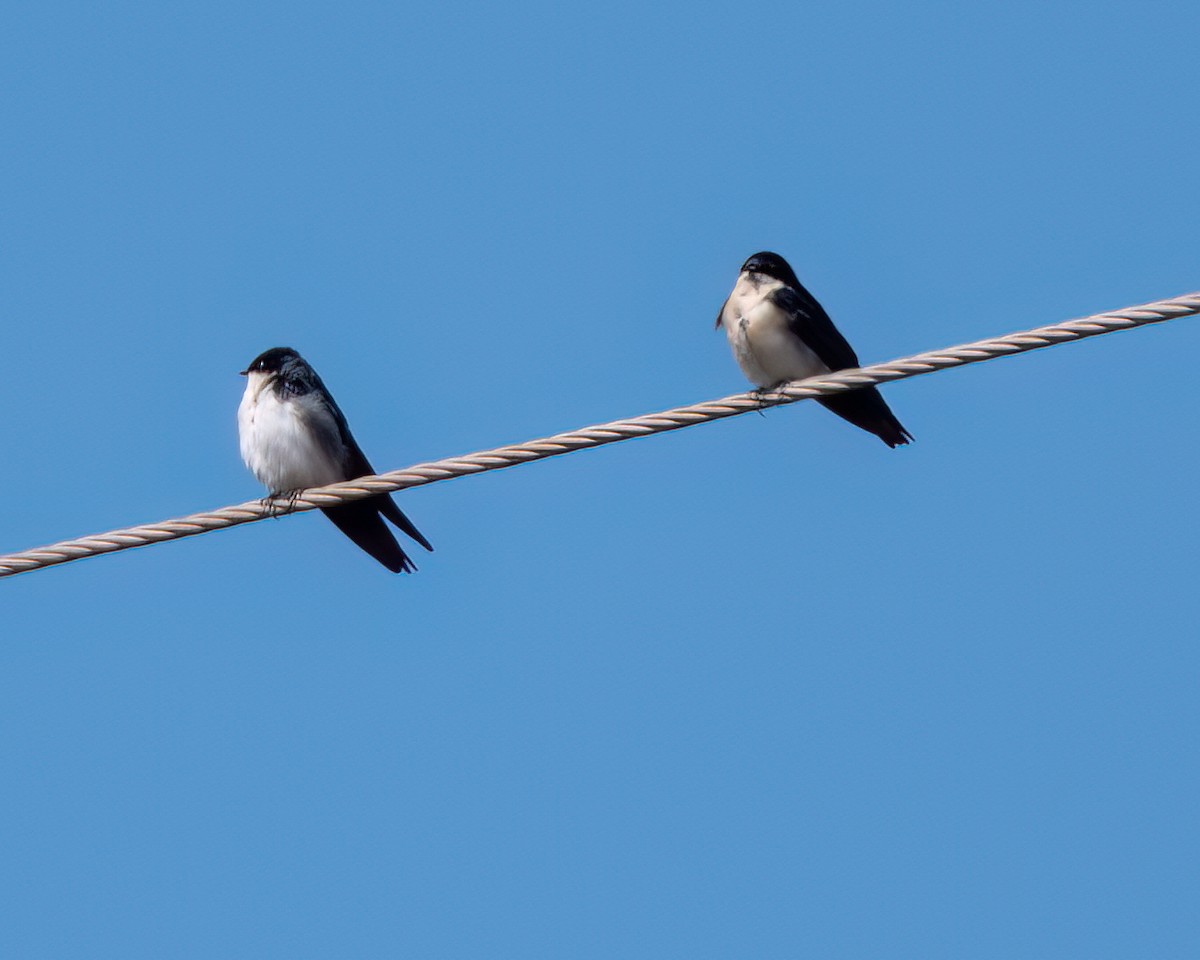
(293, 436)
(779, 332)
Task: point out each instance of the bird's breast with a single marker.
(280, 445)
(766, 348)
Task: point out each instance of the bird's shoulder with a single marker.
(302, 389)
(808, 320)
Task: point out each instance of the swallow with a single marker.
(778, 332)
(293, 436)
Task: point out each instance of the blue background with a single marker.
(762, 688)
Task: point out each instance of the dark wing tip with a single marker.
(896, 437)
(361, 522)
(387, 506)
(866, 409)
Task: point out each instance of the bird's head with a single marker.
(272, 362)
(771, 265)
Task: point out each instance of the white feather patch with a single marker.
(288, 444)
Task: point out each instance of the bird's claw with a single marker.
(764, 396)
(279, 502)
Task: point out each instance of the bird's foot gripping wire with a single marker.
(279, 502)
(769, 396)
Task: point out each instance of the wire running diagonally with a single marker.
(594, 436)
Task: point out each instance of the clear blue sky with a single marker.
(762, 688)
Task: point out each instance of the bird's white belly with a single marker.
(767, 350)
(280, 449)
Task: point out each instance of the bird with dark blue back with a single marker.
(778, 332)
(293, 436)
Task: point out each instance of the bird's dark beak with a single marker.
(244, 373)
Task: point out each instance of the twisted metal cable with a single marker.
(598, 435)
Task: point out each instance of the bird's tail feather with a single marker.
(387, 506)
(361, 522)
(867, 409)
